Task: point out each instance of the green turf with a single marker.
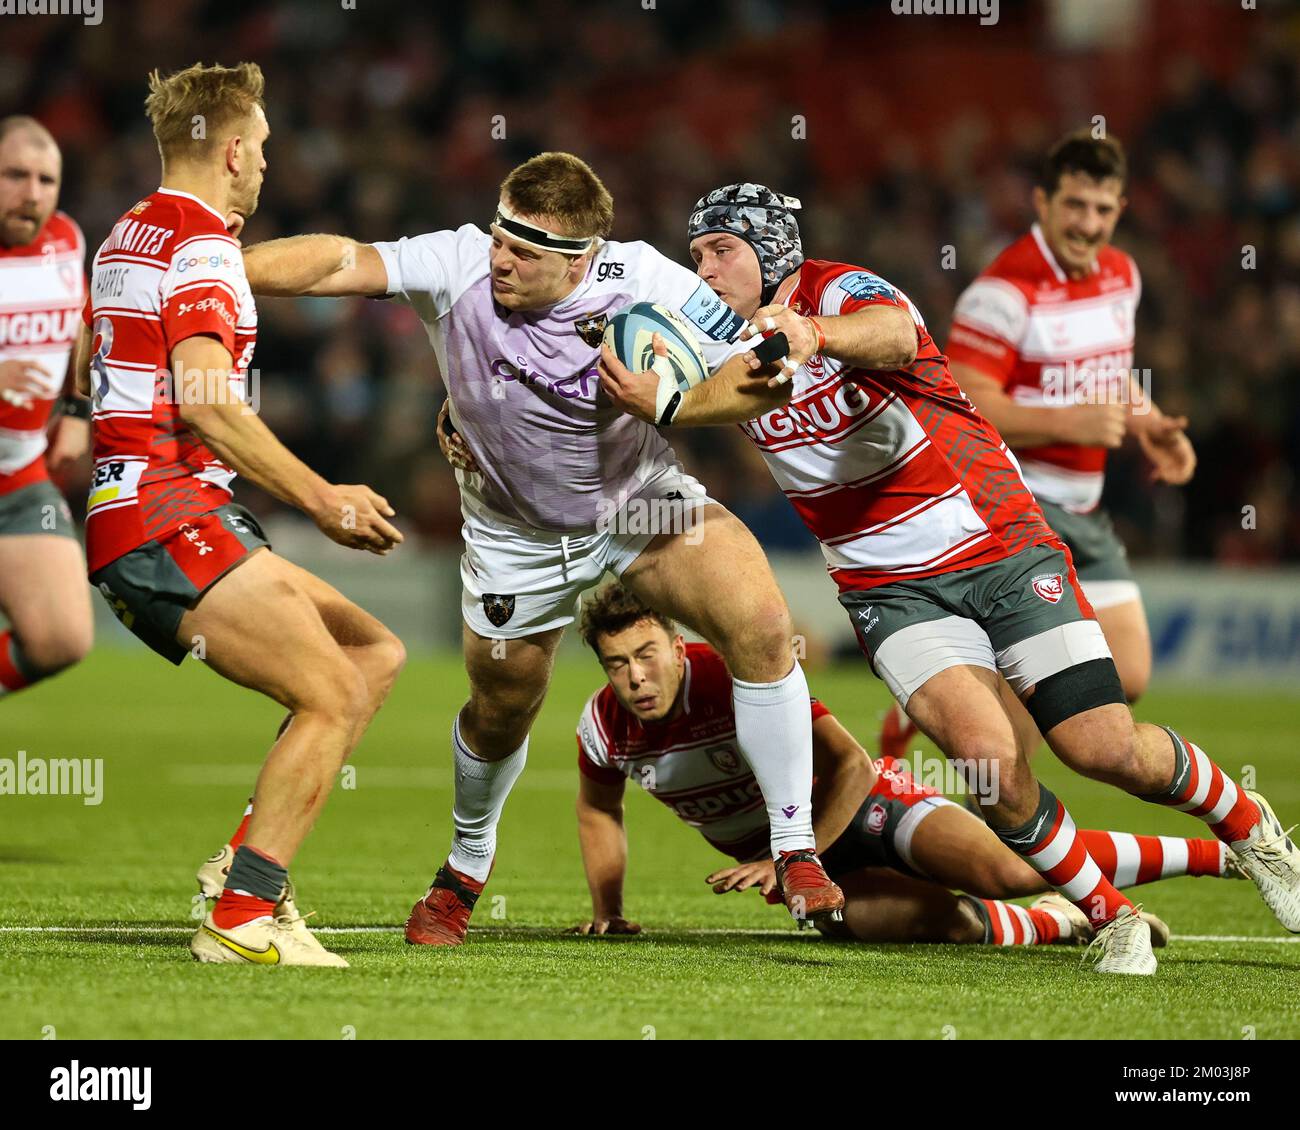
(180, 749)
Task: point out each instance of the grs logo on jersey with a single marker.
(609, 271)
(706, 310)
(864, 286)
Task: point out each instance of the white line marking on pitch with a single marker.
(544, 931)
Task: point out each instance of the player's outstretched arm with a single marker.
(354, 516)
(604, 856)
(329, 265)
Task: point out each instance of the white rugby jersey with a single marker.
(524, 388)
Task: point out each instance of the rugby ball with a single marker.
(630, 334)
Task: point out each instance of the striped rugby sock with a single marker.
(1006, 924)
(1052, 846)
(1128, 860)
(1201, 789)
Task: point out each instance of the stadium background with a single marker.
(915, 134)
(922, 132)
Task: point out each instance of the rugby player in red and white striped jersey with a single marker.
(664, 722)
(1042, 342)
(187, 570)
(950, 574)
(42, 289)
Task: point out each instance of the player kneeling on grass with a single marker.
(186, 569)
(895, 847)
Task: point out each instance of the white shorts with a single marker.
(518, 580)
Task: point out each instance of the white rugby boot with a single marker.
(212, 875)
(264, 941)
(1123, 945)
(1272, 862)
(1080, 928)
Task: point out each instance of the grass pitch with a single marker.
(181, 748)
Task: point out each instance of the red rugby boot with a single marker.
(441, 918)
(807, 890)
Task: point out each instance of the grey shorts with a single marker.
(36, 509)
(1100, 559)
(151, 588)
(1021, 617)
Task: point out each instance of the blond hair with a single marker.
(564, 189)
(193, 109)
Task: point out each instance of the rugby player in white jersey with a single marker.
(950, 575)
(43, 590)
(562, 488)
(663, 723)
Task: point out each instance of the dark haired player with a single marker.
(1042, 343)
(950, 574)
(664, 722)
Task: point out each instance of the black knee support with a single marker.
(1074, 690)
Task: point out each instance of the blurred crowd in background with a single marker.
(912, 141)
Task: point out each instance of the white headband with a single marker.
(532, 236)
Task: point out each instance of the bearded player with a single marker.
(950, 575)
(565, 487)
(42, 290)
(184, 567)
(664, 722)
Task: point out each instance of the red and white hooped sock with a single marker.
(1130, 860)
(1201, 789)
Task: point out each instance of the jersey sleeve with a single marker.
(429, 272)
(819, 709)
(199, 291)
(593, 748)
(717, 326)
(988, 325)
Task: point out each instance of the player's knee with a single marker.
(337, 691)
(1135, 681)
(760, 638)
(389, 659)
(56, 649)
(1103, 744)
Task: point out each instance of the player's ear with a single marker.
(1040, 201)
(234, 154)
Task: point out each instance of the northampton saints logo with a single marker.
(592, 329)
(497, 608)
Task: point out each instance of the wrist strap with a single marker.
(821, 334)
(75, 406)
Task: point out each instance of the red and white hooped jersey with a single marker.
(895, 472)
(42, 291)
(1050, 340)
(168, 271)
(692, 764)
